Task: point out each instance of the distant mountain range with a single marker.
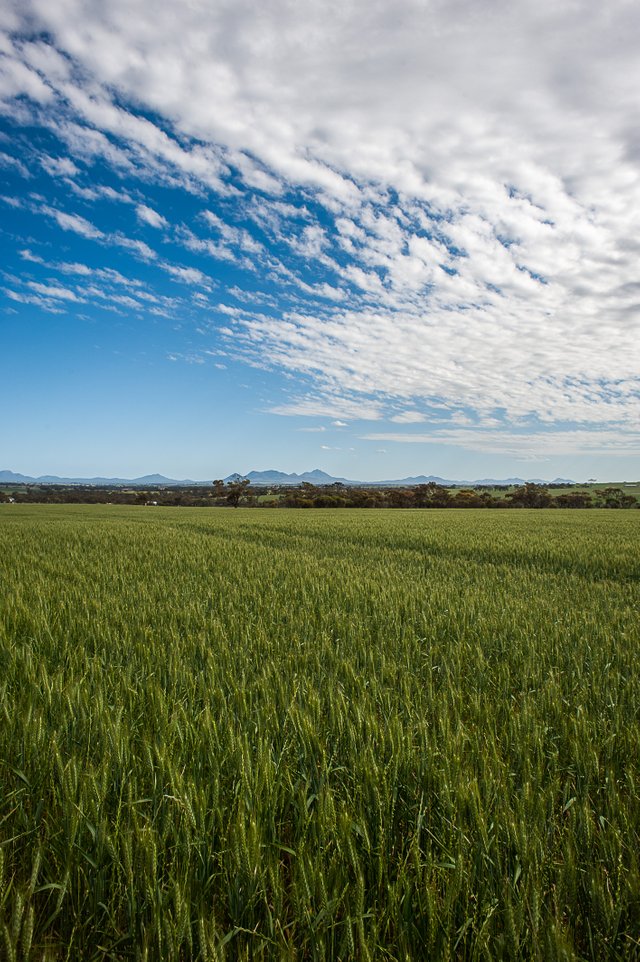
(154, 480)
(265, 478)
(319, 477)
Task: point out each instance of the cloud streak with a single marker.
(147, 215)
(540, 445)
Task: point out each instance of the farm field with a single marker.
(246, 734)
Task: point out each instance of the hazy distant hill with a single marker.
(279, 477)
(266, 478)
(159, 480)
(319, 477)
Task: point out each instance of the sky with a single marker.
(382, 239)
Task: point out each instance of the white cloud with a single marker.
(7, 160)
(327, 405)
(73, 222)
(28, 255)
(51, 305)
(186, 358)
(149, 216)
(214, 249)
(102, 286)
(17, 79)
(121, 300)
(100, 192)
(466, 357)
(59, 166)
(53, 290)
(408, 417)
(232, 236)
(137, 246)
(613, 440)
(188, 275)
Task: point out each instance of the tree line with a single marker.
(336, 495)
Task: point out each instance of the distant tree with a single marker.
(466, 498)
(432, 495)
(365, 497)
(401, 498)
(530, 496)
(614, 498)
(574, 499)
(235, 490)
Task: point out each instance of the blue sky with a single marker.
(238, 238)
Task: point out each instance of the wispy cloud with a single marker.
(14, 163)
(188, 275)
(99, 192)
(149, 216)
(336, 406)
(133, 244)
(59, 166)
(103, 287)
(73, 222)
(54, 291)
(613, 441)
(45, 303)
(408, 417)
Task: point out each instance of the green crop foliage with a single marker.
(331, 735)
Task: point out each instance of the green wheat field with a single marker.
(245, 734)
